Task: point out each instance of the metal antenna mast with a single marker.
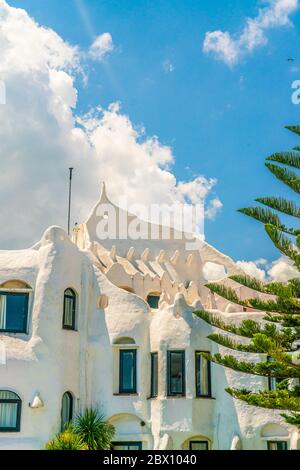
(70, 197)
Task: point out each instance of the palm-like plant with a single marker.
(66, 440)
(92, 428)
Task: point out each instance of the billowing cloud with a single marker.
(254, 268)
(101, 47)
(41, 136)
(213, 271)
(280, 270)
(230, 48)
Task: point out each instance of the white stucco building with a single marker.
(110, 324)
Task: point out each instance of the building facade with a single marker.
(109, 323)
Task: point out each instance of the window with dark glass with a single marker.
(154, 374)
(66, 410)
(127, 371)
(127, 445)
(203, 375)
(273, 381)
(10, 411)
(13, 312)
(69, 316)
(153, 301)
(198, 445)
(277, 445)
(176, 373)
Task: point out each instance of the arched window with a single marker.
(69, 317)
(197, 443)
(10, 411)
(66, 410)
(14, 297)
(153, 300)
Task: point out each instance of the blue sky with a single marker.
(220, 121)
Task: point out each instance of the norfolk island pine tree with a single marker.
(278, 338)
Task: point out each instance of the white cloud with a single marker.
(254, 268)
(280, 270)
(213, 208)
(101, 47)
(230, 48)
(213, 271)
(41, 136)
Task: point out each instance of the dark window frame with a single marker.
(18, 402)
(277, 442)
(198, 442)
(71, 409)
(128, 444)
(154, 390)
(157, 299)
(122, 390)
(24, 329)
(169, 356)
(198, 394)
(74, 298)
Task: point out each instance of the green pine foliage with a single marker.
(278, 399)
(278, 338)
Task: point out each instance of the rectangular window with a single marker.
(13, 312)
(154, 374)
(277, 445)
(198, 445)
(176, 373)
(127, 371)
(203, 375)
(127, 445)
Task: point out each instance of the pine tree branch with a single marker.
(290, 178)
(281, 305)
(283, 243)
(264, 369)
(249, 281)
(275, 399)
(295, 129)
(280, 204)
(287, 158)
(266, 216)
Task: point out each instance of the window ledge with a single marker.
(176, 396)
(205, 398)
(14, 333)
(125, 394)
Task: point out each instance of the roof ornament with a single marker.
(113, 253)
(130, 253)
(161, 257)
(189, 259)
(175, 257)
(145, 255)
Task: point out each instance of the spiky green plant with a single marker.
(66, 440)
(92, 428)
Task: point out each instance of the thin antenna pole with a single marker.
(70, 197)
